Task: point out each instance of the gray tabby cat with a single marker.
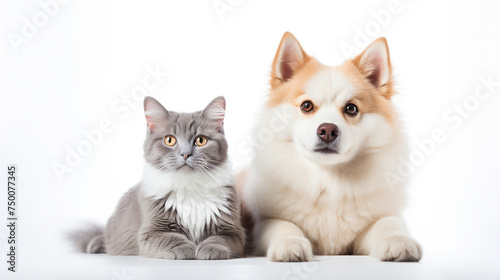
(185, 206)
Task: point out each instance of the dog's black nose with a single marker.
(328, 132)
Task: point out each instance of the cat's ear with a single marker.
(156, 114)
(214, 113)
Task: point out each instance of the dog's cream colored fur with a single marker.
(307, 203)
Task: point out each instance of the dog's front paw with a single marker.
(290, 249)
(185, 251)
(211, 251)
(399, 248)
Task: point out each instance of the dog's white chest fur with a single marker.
(197, 198)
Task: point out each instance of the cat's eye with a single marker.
(201, 141)
(307, 106)
(351, 110)
(169, 140)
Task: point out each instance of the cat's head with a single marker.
(185, 142)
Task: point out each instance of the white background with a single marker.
(63, 78)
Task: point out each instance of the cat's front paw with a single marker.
(399, 248)
(290, 249)
(211, 251)
(185, 251)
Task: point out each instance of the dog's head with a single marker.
(338, 112)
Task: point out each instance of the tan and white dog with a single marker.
(326, 142)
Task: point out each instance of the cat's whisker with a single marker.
(161, 167)
(217, 167)
(208, 172)
(223, 172)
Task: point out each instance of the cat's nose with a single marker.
(186, 156)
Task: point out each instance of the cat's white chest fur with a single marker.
(197, 198)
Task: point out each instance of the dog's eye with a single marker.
(307, 106)
(201, 141)
(169, 140)
(351, 109)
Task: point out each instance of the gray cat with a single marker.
(186, 206)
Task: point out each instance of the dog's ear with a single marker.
(289, 58)
(375, 64)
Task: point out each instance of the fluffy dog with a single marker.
(327, 144)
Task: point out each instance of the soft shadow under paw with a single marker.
(212, 252)
(290, 249)
(400, 249)
(182, 252)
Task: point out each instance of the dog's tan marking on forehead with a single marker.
(368, 98)
(289, 91)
